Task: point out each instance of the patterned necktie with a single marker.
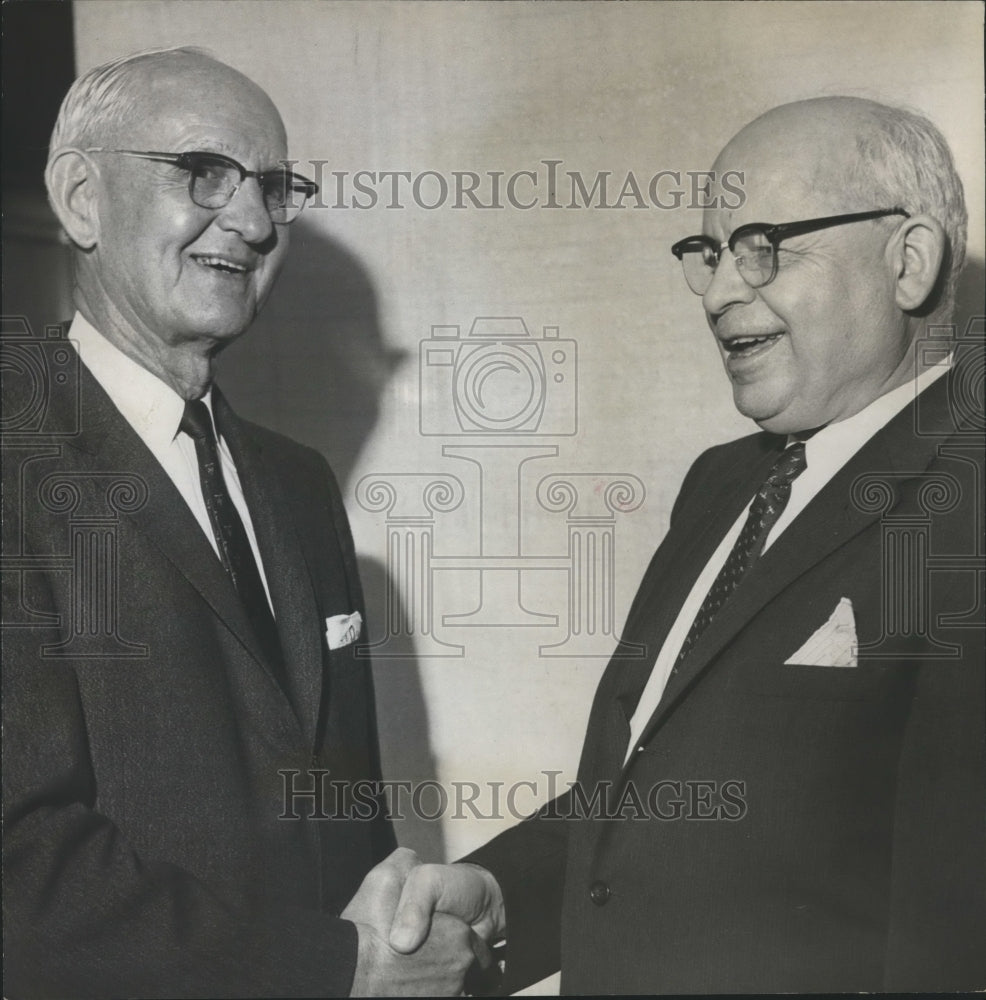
(767, 507)
(230, 535)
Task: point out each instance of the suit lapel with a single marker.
(273, 514)
(109, 444)
(830, 520)
(690, 546)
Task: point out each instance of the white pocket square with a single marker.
(342, 630)
(834, 644)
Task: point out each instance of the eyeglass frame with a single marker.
(182, 160)
(774, 233)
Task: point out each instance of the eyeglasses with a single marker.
(754, 248)
(213, 179)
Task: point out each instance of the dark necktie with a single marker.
(230, 535)
(767, 507)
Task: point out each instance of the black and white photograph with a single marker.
(493, 498)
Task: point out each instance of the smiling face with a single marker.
(825, 337)
(167, 271)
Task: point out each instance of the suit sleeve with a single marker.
(382, 832)
(85, 915)
(938, 872)
(528, 861)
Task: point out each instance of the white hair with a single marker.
(904, 162)
(104, 98)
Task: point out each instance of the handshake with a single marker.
(423, 927)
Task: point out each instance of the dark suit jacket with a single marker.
(146, 850)
(819, 828)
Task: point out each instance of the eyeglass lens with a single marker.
(755, 257)
(754, 254)
(213, 183)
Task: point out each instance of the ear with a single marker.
(71, 178)
(918, 253)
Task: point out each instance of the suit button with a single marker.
(599, 893)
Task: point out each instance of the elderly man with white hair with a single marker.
(196, 657)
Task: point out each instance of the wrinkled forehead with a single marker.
(787, 171)
(192, 101)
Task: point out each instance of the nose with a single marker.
(246, 213)
(727, 287)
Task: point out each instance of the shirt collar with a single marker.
(836, 442)
(149, 405)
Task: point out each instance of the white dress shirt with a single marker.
(154, 410)
(826, 452)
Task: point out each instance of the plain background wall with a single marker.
(481, 87)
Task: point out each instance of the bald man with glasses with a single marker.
(196, 656)
(787, 792)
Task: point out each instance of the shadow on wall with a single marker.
(313, 366)
(969, 294)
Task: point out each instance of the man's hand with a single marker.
(462, 890)
(435, 966)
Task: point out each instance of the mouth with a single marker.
(224, 265)
(746, 346)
